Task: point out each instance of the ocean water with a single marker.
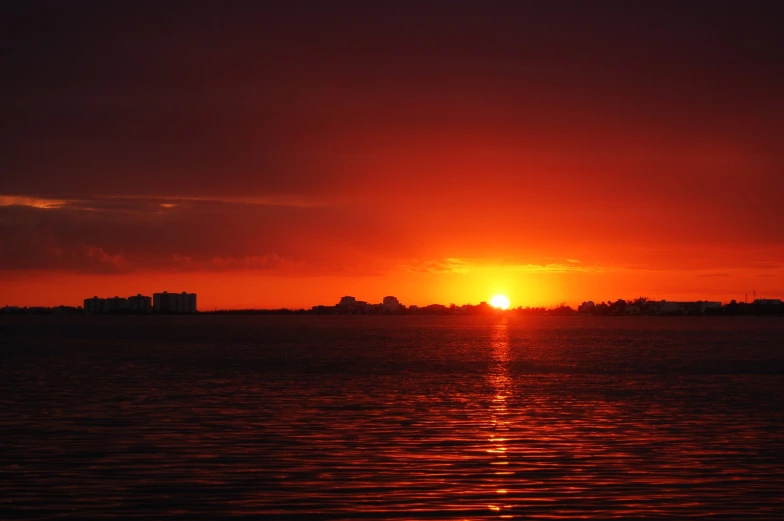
(298, 417)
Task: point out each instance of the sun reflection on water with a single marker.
(499, 414)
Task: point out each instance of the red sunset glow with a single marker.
(276, 157)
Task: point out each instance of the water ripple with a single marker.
(391, 417)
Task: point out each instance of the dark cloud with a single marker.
(39, 247)
(103, 234)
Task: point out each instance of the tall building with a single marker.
(115, 305)
(174, 302)
(164, 302)
(187, 303)
(140, 303)
(136, 304)
(94, 305)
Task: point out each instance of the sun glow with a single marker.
(499, 301)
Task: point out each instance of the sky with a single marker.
(283, 154)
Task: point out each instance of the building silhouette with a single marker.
(135, 304)
(166, 302)
(349, 305)
(159, 303)
(140, 303)
(94, 305)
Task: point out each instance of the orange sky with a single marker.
(441, 152)
(530, 285)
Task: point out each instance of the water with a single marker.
(391, 417)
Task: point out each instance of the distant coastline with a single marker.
(635, 307)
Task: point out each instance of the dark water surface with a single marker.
(391, 417)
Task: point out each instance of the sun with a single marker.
(499, 301)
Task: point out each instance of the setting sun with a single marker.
(500, 302)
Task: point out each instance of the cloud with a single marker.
(255, 262)
(182, 262)
(128, 234)
(455, 265)
(34, 202)
(96, 256)
(303, 235)
(146, 203)
(449, 265)
(175, 233)
(39, 247)
(557, 268)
